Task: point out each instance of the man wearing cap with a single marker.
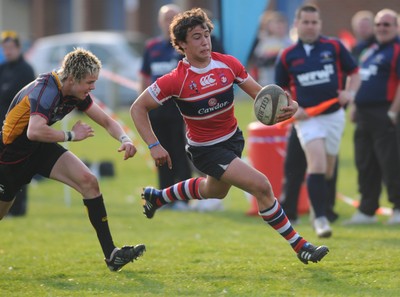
(15, 73)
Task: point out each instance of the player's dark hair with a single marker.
(186, 21)
(306, 8)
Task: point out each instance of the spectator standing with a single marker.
(15, 73)
(295, 168)
(314, 70)
(362, 24)
(272, 37)
(159, 58)
(375, 115)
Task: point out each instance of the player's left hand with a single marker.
(345, 97)
(129, 148)
(288, 111)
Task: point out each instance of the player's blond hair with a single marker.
(186, 21)
(78, 64)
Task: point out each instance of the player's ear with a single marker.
(182, 45)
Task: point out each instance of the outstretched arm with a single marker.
(113, 128)
(139, 113)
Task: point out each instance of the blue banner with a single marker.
(239, 22)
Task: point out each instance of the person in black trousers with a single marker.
(375, 113)
(15, 73)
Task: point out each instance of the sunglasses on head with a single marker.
(384, 24)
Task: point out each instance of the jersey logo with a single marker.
(160, 68)
(155, 89)
(326, 56)
(214, 105)
(212, 102)
(366, 73)
(193, 85)
(208, 80)
(223, 79)
(318, 77)
(2, 190)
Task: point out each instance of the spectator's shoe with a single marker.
(322, 228)
(207, 205)
(150, 206)
(331, 215)
(360, 218)
(179, 206)
(395, 218)
(120, 257)
(312, 253)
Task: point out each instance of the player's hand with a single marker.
(301, 114)
(288, 111)
(82, 131)
(353, 113)
(345, 97)
(129, 148)
(160, 156)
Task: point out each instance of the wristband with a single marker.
(69, 135)
(124, 138)
(150, 146)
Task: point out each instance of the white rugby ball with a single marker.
(268, 104)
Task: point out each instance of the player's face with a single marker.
(198, 46)
(385, 28)
(308, 26)
(81, 89)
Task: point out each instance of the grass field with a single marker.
(53, 251)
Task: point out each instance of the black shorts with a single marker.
(14, 176)
(213, 160)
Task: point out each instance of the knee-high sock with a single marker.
(98, 217)
(277, 219)
(316, 185)
(182, 191)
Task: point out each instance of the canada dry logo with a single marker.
(208, 80)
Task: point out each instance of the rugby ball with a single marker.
(268, 104)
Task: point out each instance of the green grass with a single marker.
(53, 251)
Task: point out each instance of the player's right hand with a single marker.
(82, 131)
(160, 156)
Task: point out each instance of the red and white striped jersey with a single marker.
(204, 97)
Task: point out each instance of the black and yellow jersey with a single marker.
(41, 97)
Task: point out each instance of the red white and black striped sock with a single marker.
(277, 219)
(182, 191)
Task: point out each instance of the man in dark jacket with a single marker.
(15, 73)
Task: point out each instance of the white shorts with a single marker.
(328, 126)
